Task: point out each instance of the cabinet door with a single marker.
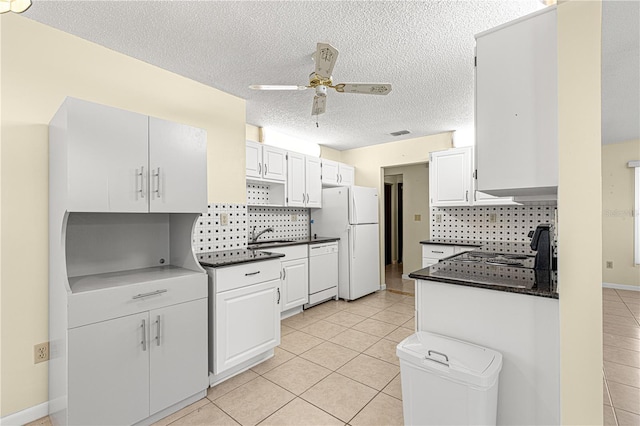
(312, 182)
(450, 177)
(275, 163)
(109, 372)
(517, 107)
(178, 353)
(247, 323)
(254, 159)
(295, 283)
(330, 173)
(107, 155)
(347, 175)
(178, 163)
(296, 189)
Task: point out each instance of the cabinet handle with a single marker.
(436, 251)
(260, 168)
(158, 331)
(157, 191)
(251, 273)
(278, 295)
(466, 196)
(141, 174)
(284, 274)
(266, 170)
(151, 293)
(144, 335)
(340, 180)
(338, 177)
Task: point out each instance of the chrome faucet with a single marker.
(254, 237)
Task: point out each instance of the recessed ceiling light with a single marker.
(400, 132)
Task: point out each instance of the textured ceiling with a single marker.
(423, 48)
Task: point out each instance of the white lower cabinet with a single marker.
(245, 310)
(295, 283)
(433, 253)
(141, 364)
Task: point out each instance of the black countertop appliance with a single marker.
(542, 244)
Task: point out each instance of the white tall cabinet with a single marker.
(127, 297)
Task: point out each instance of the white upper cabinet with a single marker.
(304, 186)
(450, 177)
(451, 181)
(337, 174)
(106, 156)
(517, 107)
(110, 153)
(178, 167)
(265, 162)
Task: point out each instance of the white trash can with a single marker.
(446, 381)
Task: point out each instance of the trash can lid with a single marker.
(452, 358)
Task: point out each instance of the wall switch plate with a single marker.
(438, 218)
(492, 217)
(41, 352)
(224, 219)
(417, 217)
(294, 218)
(609, 264)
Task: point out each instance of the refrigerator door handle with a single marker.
(354, 242)
(355, 212)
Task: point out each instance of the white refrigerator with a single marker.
(351, 213)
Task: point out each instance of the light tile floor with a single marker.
(337, 365)
(395, 282)
(621, 356)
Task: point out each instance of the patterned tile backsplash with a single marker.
(210, 235)
(490, 223)
(281, 219)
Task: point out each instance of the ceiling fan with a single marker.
(325, 59)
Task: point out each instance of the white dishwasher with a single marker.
(323, 272)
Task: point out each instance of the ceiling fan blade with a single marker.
(325, 58)
(364, 88)
(276, 87)
(319, 104)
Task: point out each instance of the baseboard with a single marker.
(26, 416)
(621, 286)
(383, 287)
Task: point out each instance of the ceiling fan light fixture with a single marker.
(15, 6)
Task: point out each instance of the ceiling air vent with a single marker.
(400, 133)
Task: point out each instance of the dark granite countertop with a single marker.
(234, 257)
(511, 279)
(262, 244)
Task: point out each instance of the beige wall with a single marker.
(39, 67)
(330, 153)
(253, 133)
(415, 201)
(369, 163)
(617, 207)
(580, 211)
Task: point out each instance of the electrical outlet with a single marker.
(417, 217)
(609, 264)
(492, 217)
(438, 218)
(294, 218)
(41, 352)
(224, 219)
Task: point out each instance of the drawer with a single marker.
(99, 305)
(428, 261)
(232, 277)
(437, 251)
(291, 252)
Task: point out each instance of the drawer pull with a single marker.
(278, 295)
(436, 251)
(151, 293)
(144, 335)
(251, 273)
(158, 331)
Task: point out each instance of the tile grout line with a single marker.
(606, 385)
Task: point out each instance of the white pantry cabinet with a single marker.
(265, 162)
(452, 182)
(244, 307)
(121, 161)
(304, 185)
(337, 174)
(143, 363)
(517, 107)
